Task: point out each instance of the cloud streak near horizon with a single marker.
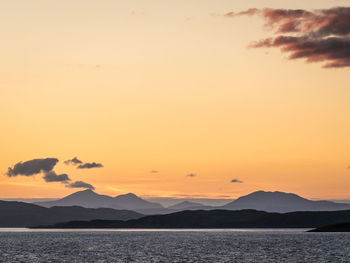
(236, 181)
(81, 184)
(317, 36)
(90, 165)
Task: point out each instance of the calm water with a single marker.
(19, 245)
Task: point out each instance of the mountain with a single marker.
(260, 200)
(86, 198)
(185, 205)
(18, 214)
(281, 202)
(90, 199)
(131, 201)
(220, 219)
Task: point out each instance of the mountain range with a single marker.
(220, 219)
(19, 214)
(260, 200)
(282, 203)
(90, 199)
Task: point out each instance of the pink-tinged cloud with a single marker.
(317, 36)
(249, 12)
(335, 51)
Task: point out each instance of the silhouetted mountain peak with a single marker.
(87, 192)
(86, 195)
(90, 199)
(128, 196)
(281, 202)
(267, 196)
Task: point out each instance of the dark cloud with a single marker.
(74, 161)
(334, 50)
(249, 12)
(82, 165)
(191, 175)
(32, 167)
(81, 184)
(51, 176)
(37, 166)
(236, 181)
(90, 165)
(317, 36)
(154, 172)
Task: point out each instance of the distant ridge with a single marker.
(282, 202)
(90, 199)
(18, 214)
(261, 200)
(220, 219)
(185, 205)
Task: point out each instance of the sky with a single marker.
(168, 98)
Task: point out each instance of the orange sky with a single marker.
(168, 86)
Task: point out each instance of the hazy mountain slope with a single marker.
(90, 199)
(131, 201)
(185, 205)
(263, 201)
(18, 214)
(282, 202)
(86, 198)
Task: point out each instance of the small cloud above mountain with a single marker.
(51, 176)
(81, 165)
(74, 161)
(236, 181)
(90, 165)
(81, 184)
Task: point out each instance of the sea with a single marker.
(169, 245)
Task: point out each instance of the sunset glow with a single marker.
(171, 99)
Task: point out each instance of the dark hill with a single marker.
(221, 219)
(18, 214)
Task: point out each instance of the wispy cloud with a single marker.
(90, 165)
(81, 184)
(191, 175)
(235, 181)
(317, 36)
(81, 165)
(74, 161)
